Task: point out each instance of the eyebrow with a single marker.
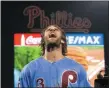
(53, 28)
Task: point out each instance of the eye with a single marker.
(56, 29)
(48, 30)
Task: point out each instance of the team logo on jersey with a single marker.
(69, 76)
(40, 82)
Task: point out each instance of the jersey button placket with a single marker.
(53, 75)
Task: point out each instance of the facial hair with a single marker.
(52, 45)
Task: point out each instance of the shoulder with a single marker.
(73, 61)
(34, 62)
(76, 64)
(31, 65)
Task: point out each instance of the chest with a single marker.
(55, 75)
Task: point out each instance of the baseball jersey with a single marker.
(62, 73)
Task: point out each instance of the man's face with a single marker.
(52, 35)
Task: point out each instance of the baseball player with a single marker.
(53, 68)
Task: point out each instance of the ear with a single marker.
(62, 41)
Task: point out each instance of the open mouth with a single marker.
(52, 36)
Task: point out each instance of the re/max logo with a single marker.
(85, 40)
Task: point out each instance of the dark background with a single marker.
(14, 21)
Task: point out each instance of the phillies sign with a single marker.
(62, 18)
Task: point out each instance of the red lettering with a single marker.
(33, 12)
(86, 23)
(68, 76)
(58, 18)
(64, 19)
(52, 18)
(40, 83)
(69, 20)
(44, 20)
(77, 23)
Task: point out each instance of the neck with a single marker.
(54, 54)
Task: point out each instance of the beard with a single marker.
(52, 45)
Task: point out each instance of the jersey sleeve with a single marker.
(83, 79)
(24, 79)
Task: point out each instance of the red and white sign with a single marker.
(27, 39)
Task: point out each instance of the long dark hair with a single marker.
(63, 37)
